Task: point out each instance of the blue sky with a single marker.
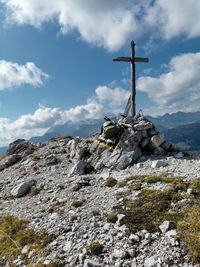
(56, 60)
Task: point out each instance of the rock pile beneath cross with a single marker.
(140, 138)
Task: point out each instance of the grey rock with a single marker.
(164, 227)
(23, 188)
(159, 151)
(143, 125)
(179, 155)
(118, 253)
(140, 165)
(150, 262)
(68, 246)
(166, 145)
(25, 249)
(158, 164)
(144, 134)
(12, 159)
(189, 191)
(21, 146)
(127, 158)
(132, 252)
(151, 132)
(145, 142)
(51, 160)
(171, 233)
(157, 140)
(91, 263)
(134, 238)
(79, 168)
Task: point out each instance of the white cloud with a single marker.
(29, 125)
(178, 17)
(110, 23)
(115, 97)
(106, 101)
(176, 90)
(13, 74)
(105, 23)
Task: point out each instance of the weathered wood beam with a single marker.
(126, 59)
(140, 59)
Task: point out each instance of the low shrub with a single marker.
(112, 217)
(96, 248)
(77, 203)
(110, 182)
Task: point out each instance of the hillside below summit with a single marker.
(100, 207)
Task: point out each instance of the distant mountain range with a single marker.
(179, 128)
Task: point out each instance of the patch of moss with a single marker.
(50, 210)
(112, 217)
(110, 182)
(34, 191)
(122, 184)
(96, 213)
(77, 203)
(126, 255)
(124, 194)
(149, 210)
(76, 187)
(73, 218)
(54, 147)
(35, 168)
(35, 158)
(14, 235)
(136, 186)
(96, 248)
(195, 185)
(164, 177)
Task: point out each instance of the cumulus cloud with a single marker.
(29, 125)
(115, 97)
(105, 101)
(13, 74)
(178, 89)
(176, 17)
(110, 23)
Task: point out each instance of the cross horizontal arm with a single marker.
(126, 59)
(140, 59)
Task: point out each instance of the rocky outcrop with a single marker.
(21, 146)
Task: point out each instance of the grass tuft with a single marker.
(96, 248)
(110, 182)
(77, 203)
(14, 235)
(112, 217)
(77, 187)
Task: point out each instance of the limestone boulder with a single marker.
(79, 168)
(23, 188)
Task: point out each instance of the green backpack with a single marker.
(110, 129)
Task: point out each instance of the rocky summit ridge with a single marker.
(87, 193)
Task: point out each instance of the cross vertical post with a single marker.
(133, 91)
(132, 59)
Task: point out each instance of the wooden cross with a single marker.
(132, 60)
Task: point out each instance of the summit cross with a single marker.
(132, 59)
